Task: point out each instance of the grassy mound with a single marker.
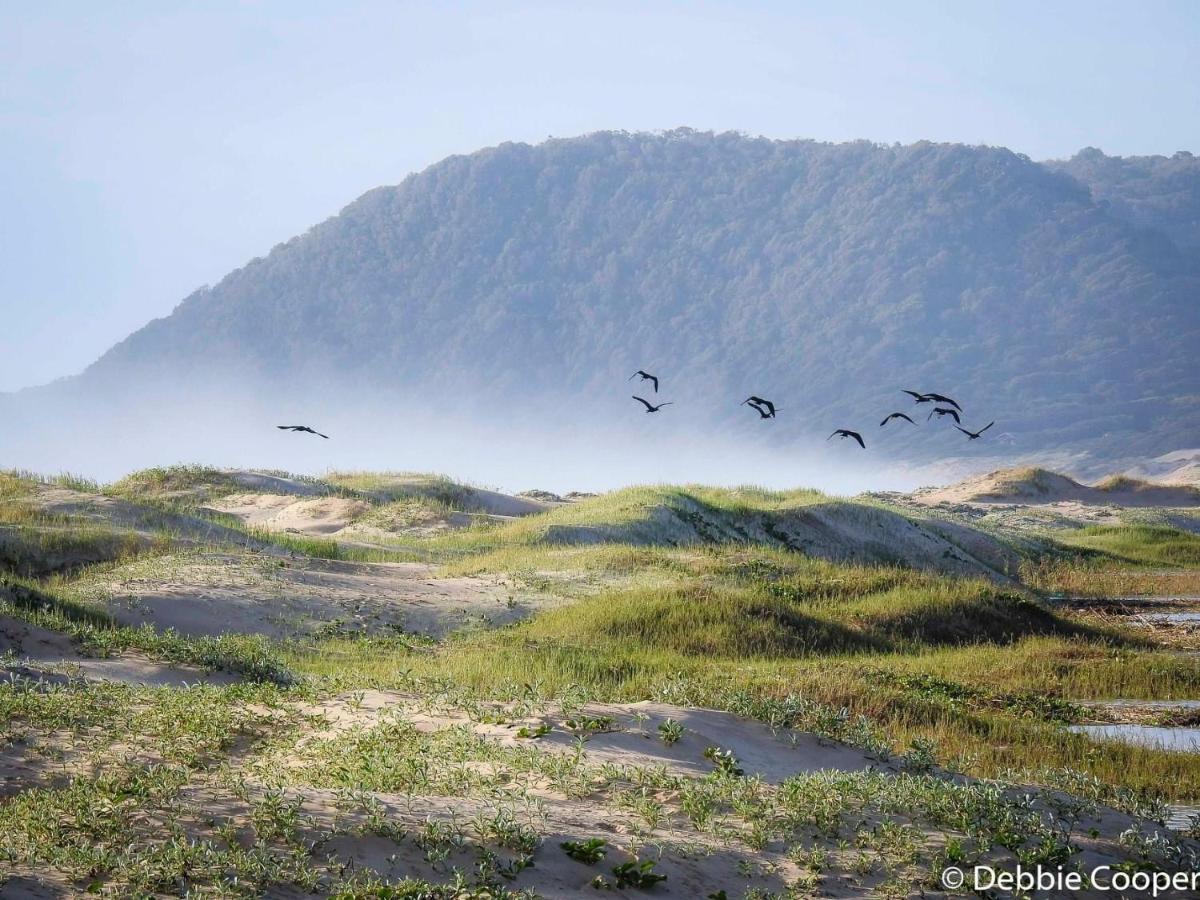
(174, 483)
(1146, 545)
(801, 520)
(388, 487)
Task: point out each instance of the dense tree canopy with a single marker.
(1156, 192)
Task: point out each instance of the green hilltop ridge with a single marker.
(835, 273)
(1153, 192)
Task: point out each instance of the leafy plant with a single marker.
(724, 760)
(637, 874)
(589, 724)
(922, 756)
(670, 731)
(588, 852)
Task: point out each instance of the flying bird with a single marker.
(646, 376)
(897, 416)
(943, 412)
(650, 407)
(938, 398)
(920, 398)
(302, 428)
(845, 433)
(760, 404)
(972, 435)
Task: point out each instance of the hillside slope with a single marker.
(827, 276)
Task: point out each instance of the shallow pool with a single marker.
(1184, 740)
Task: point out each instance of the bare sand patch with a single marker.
(321, 516)
(630, 736)
(219, 593)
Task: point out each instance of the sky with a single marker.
(148, 148)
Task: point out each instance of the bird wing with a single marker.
(318, 434)
(285, 427)
(914, 395)
(668, 403)
(905, 418)
(964, 431)
(888, 419)
(831, 436)
(645, 403)
(654, 378)
(940, 399)
(857, 437)
(633, 376)
(951, 412)
(769, 405)
(985, 427)
(930, 416)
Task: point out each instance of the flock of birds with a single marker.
(943, 406)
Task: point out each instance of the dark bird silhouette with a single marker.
(302, 428)
(760, 404)
(920, 398)
(650, 407)
(897, 416)
(646, 376)
(972, 435)
(938, 398)
(943, 412)
(845, 433)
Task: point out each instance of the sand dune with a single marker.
(284, 512)
(835, 530)
(47, 656)
(278, 503)
(1181, 467)
(1040, 486)
(145, 520)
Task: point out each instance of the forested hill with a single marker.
(825, 275)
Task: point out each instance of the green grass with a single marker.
(16, 483)
(677, 594)
(642, 515)
(716, 625)
(1143, 545)
(147, 485)
(1001, 723)
(387, 487)
(326, 548)
(36, 542)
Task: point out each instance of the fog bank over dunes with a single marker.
(513, 451)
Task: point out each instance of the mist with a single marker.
(596, 444)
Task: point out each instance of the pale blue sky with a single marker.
(147, 148)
